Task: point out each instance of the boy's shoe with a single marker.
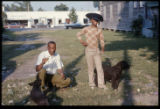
(103, 87)
(92, 87)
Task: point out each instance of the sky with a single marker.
(49, 5)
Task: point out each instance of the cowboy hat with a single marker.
(95, 16)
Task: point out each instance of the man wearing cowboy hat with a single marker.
(92, 52)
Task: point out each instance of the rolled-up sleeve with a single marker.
(39, 60)
(59, 62)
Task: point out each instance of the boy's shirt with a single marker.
(92, 35)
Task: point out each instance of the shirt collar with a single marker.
(51, 55)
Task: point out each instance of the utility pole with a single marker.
(28, 6)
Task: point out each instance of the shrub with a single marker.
(136, 26)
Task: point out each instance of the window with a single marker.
(49, 21)
(59, 21)
(141, 3)
(138, 4)
(135, 4)
(85, 21)
(35, 21)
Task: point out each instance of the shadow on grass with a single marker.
(127, 88)
(53, 99)
(9, 51)
(107, 62)
(21, 37)
(24, 101)
(134, 44)
(28, 37)
(124, 45)
(71, 71)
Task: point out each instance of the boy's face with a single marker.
(51, 48)
(94, 22)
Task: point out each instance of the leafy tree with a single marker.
(14, 7)
(19, 6)
(73, 16)
(40, 9)
(4, 18)
(136, 25)
(7, 8)
(25, 6)
(61, 7)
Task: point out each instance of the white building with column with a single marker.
(56, 18)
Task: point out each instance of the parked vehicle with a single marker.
(14, 25)
(74, 25)
(41, 25)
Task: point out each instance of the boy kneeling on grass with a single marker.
(50, 68)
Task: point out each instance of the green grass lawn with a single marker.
(141, 53)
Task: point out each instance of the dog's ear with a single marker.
(31, 84)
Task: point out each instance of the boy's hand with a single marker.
(102, 51)
(84, 44)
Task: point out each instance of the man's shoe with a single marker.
(43, 88)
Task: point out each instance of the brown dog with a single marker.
(36, 94)
(113, 74)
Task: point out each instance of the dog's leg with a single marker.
(116, 84)
(118, 81)
(113, 82)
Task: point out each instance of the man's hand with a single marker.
(62, 75)
(39, 67)
(44, 60)
(60, 71)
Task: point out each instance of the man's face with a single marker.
(94, 22)
(51, 48)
